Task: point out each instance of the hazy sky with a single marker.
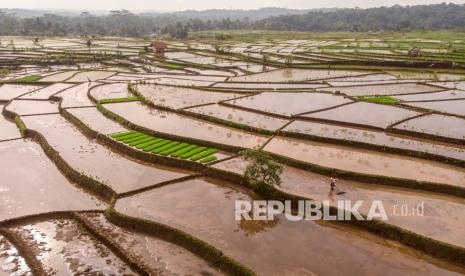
(172, 5)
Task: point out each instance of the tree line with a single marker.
(125, 23)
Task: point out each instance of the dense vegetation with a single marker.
(125, 23)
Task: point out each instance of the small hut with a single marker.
(159, 47)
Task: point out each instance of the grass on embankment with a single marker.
(379, 99)
(119, 100)
(31, 78)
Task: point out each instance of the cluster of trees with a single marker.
(125, 23)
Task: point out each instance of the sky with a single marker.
(176, 5)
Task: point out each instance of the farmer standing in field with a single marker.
(332, 184)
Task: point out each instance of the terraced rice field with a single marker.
(128, 163)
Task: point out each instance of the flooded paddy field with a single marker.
(175, 124)
(288, 103)
(270, 247)
(94, 160)
(240, 116)
(373, 137)
(367, 162)
(31, 184)
(381, 116)
(178, 97)
(441, 213)
(80, 194)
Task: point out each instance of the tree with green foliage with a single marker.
(263, 173)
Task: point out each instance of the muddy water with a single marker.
(111, 91)
(63, 247)
(95, 160)
(45, 93)
(91, 75)
(243, 85)
(445, 95)
(367, 162)
(31, 183)
(206, 210)
(240, 116)
(384, 89)
(182, 82)
(366, 78)
(95, 120)
(440, 219)
(8, 129)
(11, 262)
(29, 107)
(76, 96)
(288, 104)
(59, 77)
(285, 75)
(362, 113)
(11, 91)
(435, 124)
(172, 123)
(453, 107)
(178, 97)
(163, 258)
(374, 137)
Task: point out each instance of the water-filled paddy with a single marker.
(110, 91)
(437, 125)
(11, 91)
(270, 248)
(367, 162)
(87, 156)
(240, 116)
(172, 123)
(163, 258)
(32, 184)
(372, 137)
(65, 248)
(364, 114)
(178, 97)
(288, 103)
(456, 107)
(30, 107)
(9, 129)
(11, 262)
(289, 74)
(384, 89)
(46, 92)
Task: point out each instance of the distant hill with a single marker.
(217, 14)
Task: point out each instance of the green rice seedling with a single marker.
(127, 141)
(192, 152)
(184, 150)
(29, 78)
(138, 142)
(149, 143)
(165, 147)
(208, 159)
(380, 99)
(119, 100)
(154, 146)
(203, 154)
(121, 134)
(129, 136)
(174, 149)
